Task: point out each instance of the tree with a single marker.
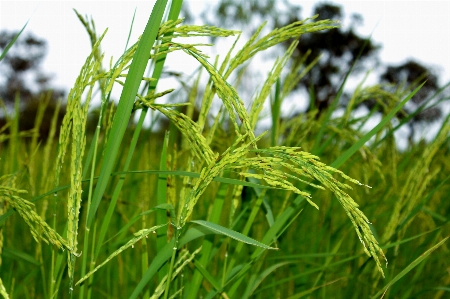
(413, 73)
(21, 75)
(339, 49)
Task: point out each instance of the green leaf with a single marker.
(164, 255)
(253, 286)
(207, 275)
(282, 281)
(405, 240)
(115, 196)
(12, 42)
(207, 245)
(126, 102)
(275, 111)
(137, 217)
(19, 255)
(307, 292)
(319, 137)
(421, 205)
(161, 198)
(410, 267)
(348, 153)
(230, 233)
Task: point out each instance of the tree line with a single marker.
(21, 73)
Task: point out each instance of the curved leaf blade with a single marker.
(410, 267)
(348, 153)
(231, 233)
(126, 102)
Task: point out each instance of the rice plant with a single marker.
(211, 208)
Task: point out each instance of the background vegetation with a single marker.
(210, 208)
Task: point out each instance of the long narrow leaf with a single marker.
(307, 292)
(11, 43)
(410, 267)
(207, 275)
(348, 153)
(231, 233)
(208, 244)
(164, 255)
(252, 287)
(334, 103)
(126, 103)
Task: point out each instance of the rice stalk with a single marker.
(415, 186)
(143, 233)
(274, 75)
(3, 290)
(183, 260)
(38, 227)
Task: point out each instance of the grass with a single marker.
(212, 209)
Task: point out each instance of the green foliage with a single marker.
(199, 211)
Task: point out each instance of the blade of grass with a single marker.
(173, 15)
(410, 116)
(395, 244)
(354, 148)
(19, 255)
(207, 244)
(411, 266)
(251, 218)
(305, 273)
(335, 102)
(275, 111)
(133, 220)
(307, 292)
(252, 287)
(423, 203)
(3, 290)
(126, 102)
(120, 122)
(196, 175)
(11, 43)
(278, 226)
(206, 275)
(231, 233)
(161, 198)
(107, 219)
(165, 254)
(130, 31)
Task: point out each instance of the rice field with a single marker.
(314, 207)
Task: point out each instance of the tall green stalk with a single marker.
(126, 103)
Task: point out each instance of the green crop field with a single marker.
(315, 207)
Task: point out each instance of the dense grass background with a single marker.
(163, 206)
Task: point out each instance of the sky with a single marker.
(418, 30)
(406, 29)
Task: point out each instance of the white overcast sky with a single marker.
(406, 29)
